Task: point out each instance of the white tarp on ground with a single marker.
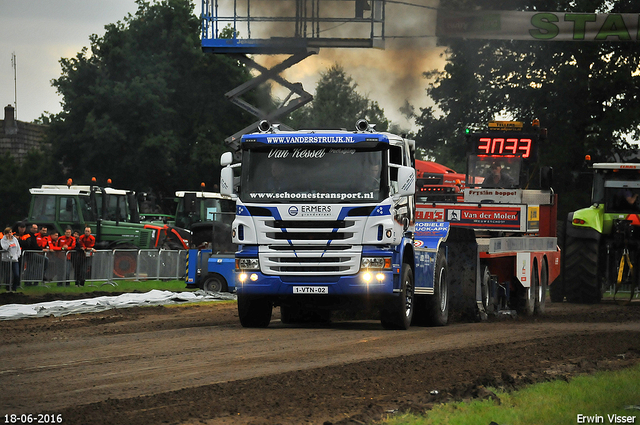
(92, 305)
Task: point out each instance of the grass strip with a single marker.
(605, 397)
(103, 286)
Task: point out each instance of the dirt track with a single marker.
(192, 365)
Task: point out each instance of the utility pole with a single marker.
(15, 85)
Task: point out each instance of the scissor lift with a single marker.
(297, 28)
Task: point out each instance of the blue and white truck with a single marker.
(325, 220)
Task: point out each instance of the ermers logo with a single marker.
(293, 211)
(320, 209)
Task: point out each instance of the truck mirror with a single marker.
(406, 181)
(226, 159)
(226, 181)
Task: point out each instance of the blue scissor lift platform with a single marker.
(296, 28)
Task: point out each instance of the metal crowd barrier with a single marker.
(42, 268)
(6, 275)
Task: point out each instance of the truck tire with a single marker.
(214, 284)
(581, 277)
(438, 303)
(526, 301)
(254, 312)
(541, 292)
(398, 312)
(487, 292)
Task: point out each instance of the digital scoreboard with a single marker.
(500, 145)
(505, 138)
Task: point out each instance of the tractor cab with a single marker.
(208, 216)
(617, 186)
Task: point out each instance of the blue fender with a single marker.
(428, 237)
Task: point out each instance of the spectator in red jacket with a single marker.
(51, 242)
(43, 238)
(50, 248)
(67, 243)
(87, 241)
(86, 244)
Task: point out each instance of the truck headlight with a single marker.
(247, 264)
(381, 263)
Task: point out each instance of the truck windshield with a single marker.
(488, 171)
(313, 175)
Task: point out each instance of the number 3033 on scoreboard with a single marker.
(504, 146)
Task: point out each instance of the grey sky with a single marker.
(40, 32)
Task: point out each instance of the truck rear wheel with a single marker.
(527, 296)
(254, 312)
(541, 292)
(487, 292)
(433, 310)
(581, 279)
(398, 312)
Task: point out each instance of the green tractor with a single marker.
(112, 214)
(602, 242)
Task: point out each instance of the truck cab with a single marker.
(324, 221)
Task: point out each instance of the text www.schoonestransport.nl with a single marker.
(327, 196)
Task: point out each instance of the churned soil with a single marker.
(196, 365)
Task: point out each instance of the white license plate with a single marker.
(310, 289)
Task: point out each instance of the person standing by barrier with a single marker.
(44, 241)
(52, 249)
(10, 257)
(34, 263)
(67, 244)
(86, 243)
(27, 242)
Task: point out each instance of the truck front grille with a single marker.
(310, 247)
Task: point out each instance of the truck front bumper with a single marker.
(257, 283)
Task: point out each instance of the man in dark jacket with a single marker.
(27, 238)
